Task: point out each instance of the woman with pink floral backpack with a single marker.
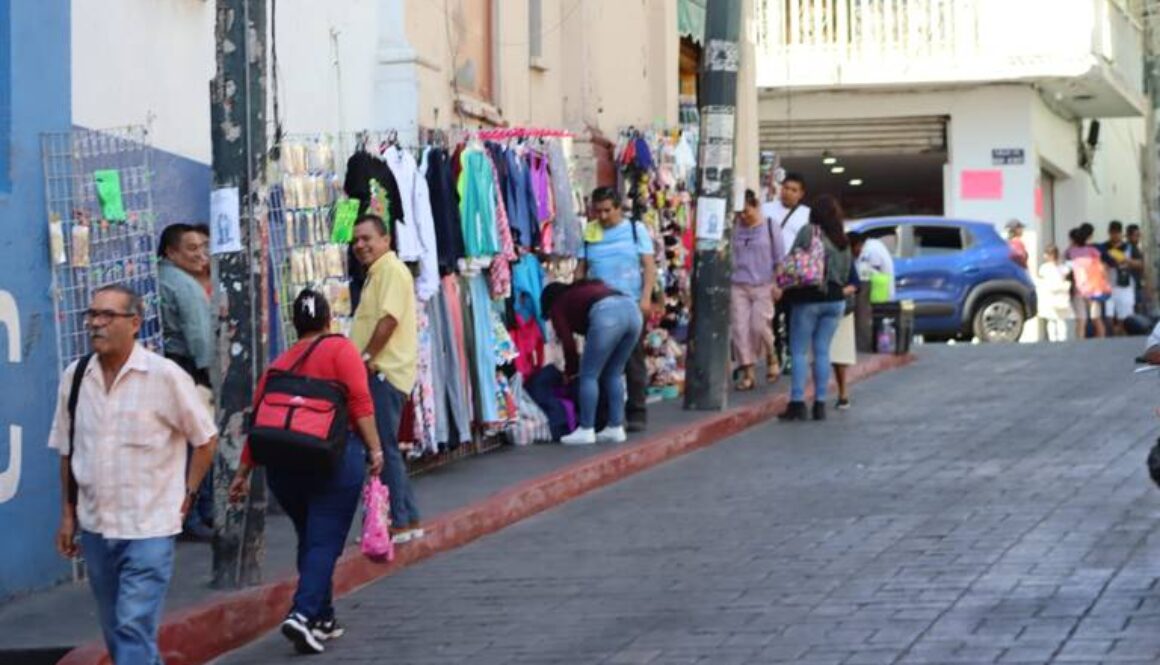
(814, 275)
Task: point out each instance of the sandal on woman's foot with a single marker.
(772, 375)
(746, 383)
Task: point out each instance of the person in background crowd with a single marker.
(1015, 241)
(1122, 263)
(610, 323)
(385, 329)
(126, 449)
(185, 311)
(1143, 291)
(789, 215)
(843, 350)
(817, 311)
(874, 257)
(1087, 231)
(756, 250)
(321, 506)
(1152, 347)
(187, 328)
(204, 278)
(619, 252)
(1054, 294)
(1085, 308)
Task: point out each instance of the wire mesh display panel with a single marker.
(98, 192)
(304, 190)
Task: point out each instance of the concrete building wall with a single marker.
(156, 73)
(1005, 116)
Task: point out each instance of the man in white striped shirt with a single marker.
(127, 453)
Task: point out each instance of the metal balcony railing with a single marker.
(867, 42)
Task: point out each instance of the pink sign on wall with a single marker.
(984, 184)
(1039, 202)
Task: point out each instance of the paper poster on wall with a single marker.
(226, 230)
(710, 218)
(1039, 202)
(985, 185)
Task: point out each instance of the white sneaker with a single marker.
(582, 436)
(611, 435)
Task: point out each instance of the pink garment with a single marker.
(499, 274)
(529, 341)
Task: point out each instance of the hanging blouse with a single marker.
(566, 227)
(499, 274)
(477, 191)
(416, 239)
(444, 209)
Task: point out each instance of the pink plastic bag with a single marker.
(376, 534)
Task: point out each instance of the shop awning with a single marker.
(691, 19)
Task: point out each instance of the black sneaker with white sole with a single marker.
(327, 630)
(297, 629)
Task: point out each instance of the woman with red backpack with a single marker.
(307, 407)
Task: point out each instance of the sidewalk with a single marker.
(462, 502)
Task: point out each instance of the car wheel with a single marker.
(999, 319)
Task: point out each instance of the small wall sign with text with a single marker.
(1006, 156)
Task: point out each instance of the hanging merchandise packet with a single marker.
(109, 193)
(345, 212)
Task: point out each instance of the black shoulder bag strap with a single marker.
(789, 214)
(74, 395)
(309, 350)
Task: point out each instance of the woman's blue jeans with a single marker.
(812, 327)
(613, 331)
(322, 507)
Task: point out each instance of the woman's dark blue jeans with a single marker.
(322, 507)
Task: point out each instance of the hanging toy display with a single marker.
(309, 222)
(654, 166)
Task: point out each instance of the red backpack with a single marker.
(301, 422)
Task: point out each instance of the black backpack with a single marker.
(300, 423)
(1154, 463)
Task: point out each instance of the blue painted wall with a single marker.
(36, 87)
(180, 189)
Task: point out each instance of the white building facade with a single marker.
(981, 109)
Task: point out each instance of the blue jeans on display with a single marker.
(613, 331)
(389, 402)
(812, 326)
(129, 579)
(322, 507)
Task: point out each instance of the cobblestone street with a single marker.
(986, 504)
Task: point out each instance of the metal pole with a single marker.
(238, 116)
(1150, 232)
(707, 369)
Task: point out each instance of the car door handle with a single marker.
(970, 270)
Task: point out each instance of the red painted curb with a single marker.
(201, 633)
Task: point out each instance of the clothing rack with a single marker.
(505, 133)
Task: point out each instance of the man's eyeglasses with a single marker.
(105, 315)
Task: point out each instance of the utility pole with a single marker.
(707, 368)
(1151, 231)
(238, 116)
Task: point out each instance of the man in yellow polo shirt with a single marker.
(386, 332)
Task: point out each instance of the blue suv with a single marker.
(959, 274)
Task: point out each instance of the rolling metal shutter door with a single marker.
(866, 136)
